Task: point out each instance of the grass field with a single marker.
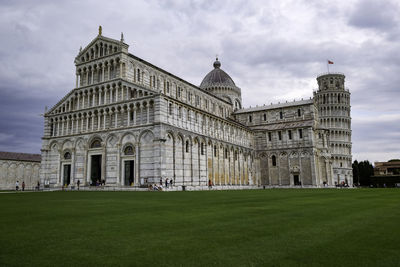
(278, 227)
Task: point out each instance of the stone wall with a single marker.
(12, 171)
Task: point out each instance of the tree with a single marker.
(356, 173)
(362, 172)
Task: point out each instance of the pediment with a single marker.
(99, 47)
(64, 100)
(63, 104)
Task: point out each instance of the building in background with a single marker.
(19, 167)
(129, 123)
(386, 174)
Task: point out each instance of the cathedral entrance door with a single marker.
(67, 174)
(95, 169)
(296, 179)
(129, 172)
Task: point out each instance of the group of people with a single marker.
(342, 184)
(156, 187)
(23, 186)
(17, 186)
(100, 183)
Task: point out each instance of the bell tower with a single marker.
(333, 102)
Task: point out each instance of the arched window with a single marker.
(215, 151)
(95, 144)
(138, 75)
(128, 150)
(300, 133)
(338, 98)
(265, 117)
(298, 112)
(170, 108)
(273, 161)
(202, 148)
(187, 146)
(112, 72)
(67, 155)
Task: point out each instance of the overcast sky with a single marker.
(273, 50)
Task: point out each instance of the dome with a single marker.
(217, 78)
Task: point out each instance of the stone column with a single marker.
(102, 75)
(137, 164)
(119, 176)
(300, 167)
(92, 78)
(103, 164)
(328, 179)
(116, 93)
(67, 132)
(76, 80)
(87, 122)
(87, 77)
(105, 96)
(82, 123)
(72, 125)
(116, 119)
(134, 115)
(73, 166)
(120, 69)
(93, 99)
(92, 121)
(98, 121)
(99, 103)
(83, 101)
(108, 70)
(62, 127)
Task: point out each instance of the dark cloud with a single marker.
(379, 15)
(272, 49)
(21, 123)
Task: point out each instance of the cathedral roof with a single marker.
(274, 106)
(217, 78)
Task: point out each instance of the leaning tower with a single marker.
(333, 103)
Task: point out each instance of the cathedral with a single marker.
(128, 124)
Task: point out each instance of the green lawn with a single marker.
(278, 227)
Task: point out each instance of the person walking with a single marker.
(171, 182)
(209, 184)
(78, 183)
(17, 186)
(166, 183)
(23, 185)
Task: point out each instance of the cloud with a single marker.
(273, 50)
(379, 15)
